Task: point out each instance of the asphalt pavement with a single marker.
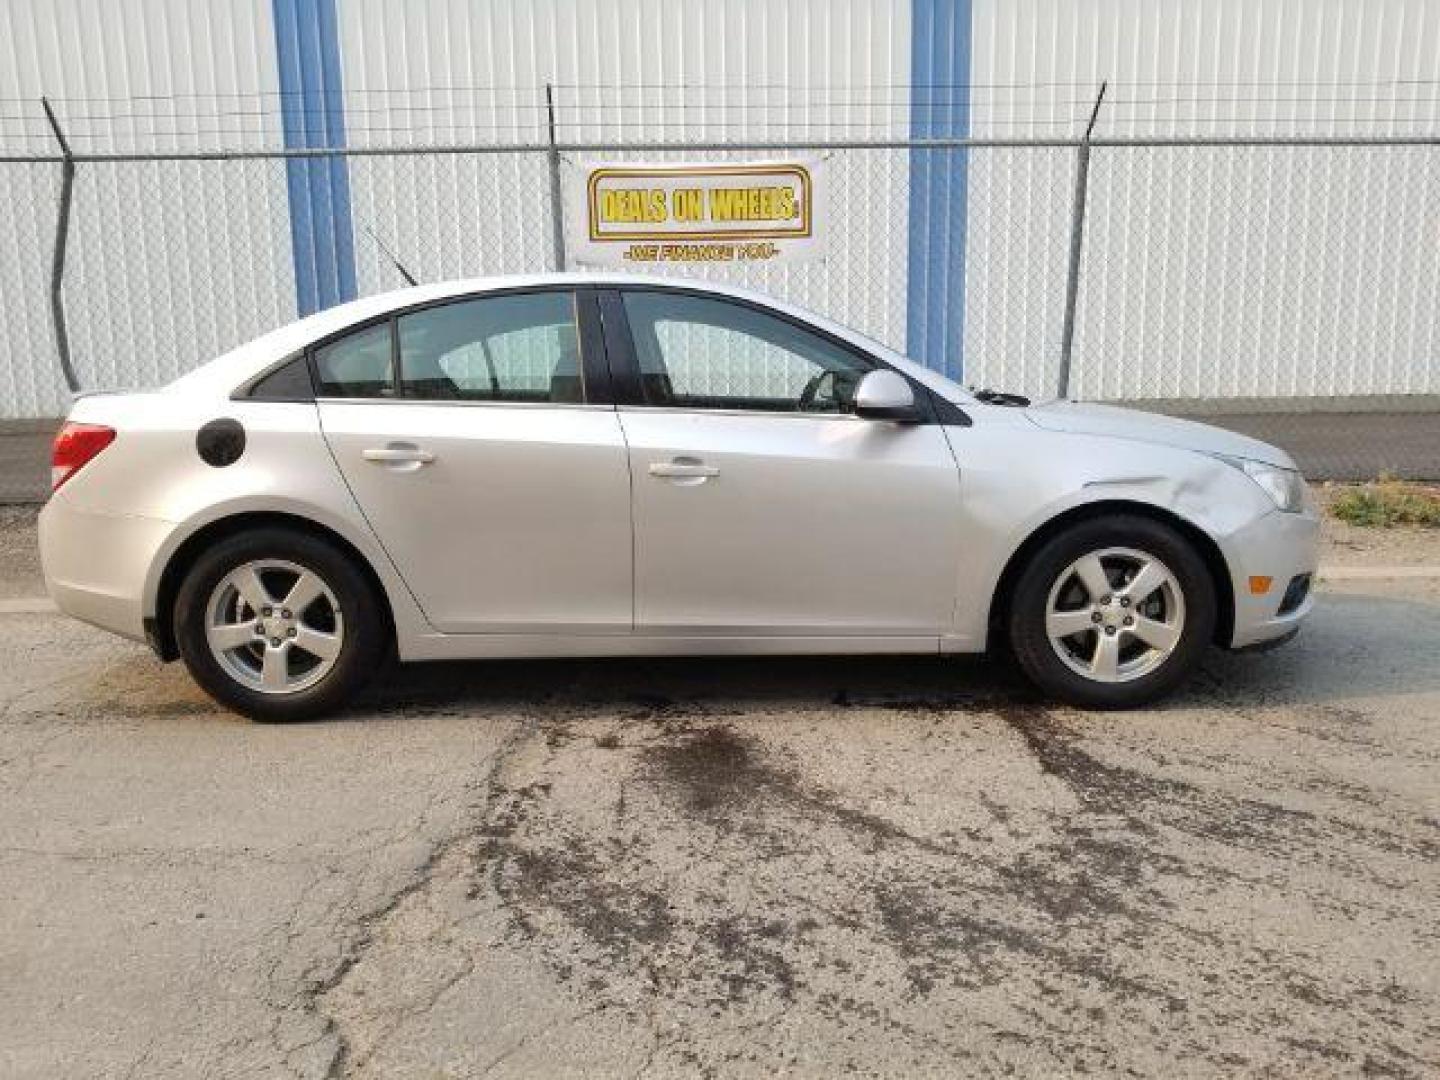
(25, 460)
(1348, 446)
(891, 867)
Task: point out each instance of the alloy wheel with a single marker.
(274, 626)
(1115, 614)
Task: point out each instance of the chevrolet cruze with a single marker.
(608, 465)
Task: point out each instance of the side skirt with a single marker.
(522, 646)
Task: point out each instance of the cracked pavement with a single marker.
(743, 867)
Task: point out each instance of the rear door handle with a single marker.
(398, 454)
(683, 469)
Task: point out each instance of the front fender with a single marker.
(1014, 481)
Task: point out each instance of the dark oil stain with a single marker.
(621, 919)
(750, 953)
(1148, 802)
(713, 767)
(1078, 909)
(162, 710)
(623, 924)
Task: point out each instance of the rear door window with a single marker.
(522, 348)
(357, 365)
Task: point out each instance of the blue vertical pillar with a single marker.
(939, 109)
(312, 111)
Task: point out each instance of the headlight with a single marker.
(1286, 487)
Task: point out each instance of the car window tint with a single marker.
(357, 365)
(522, 348)
(288, 382)
(698, 352)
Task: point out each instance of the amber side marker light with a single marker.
(75, 446)
(1259, 586)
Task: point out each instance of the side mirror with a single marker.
(884, 395)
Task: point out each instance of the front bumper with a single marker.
(97, 565)
(1282, 547)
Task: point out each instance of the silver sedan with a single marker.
(610, 465)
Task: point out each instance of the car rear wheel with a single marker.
(1112, 613)
(279, 625)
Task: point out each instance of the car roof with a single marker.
(222, 375)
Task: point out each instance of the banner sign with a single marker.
(626, 214)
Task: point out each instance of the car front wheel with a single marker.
(1112, 613)
(278, 625)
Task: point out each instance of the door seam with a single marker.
(959, 509)
(634, 561)
(360, 509)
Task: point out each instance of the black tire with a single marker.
(1039, 659)
(364, 645)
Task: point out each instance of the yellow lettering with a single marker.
(689, 204)
(752, 204)
(632, 205)
(697, 252)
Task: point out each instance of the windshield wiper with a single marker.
(999, 397)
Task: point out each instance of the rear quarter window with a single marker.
(288, 382)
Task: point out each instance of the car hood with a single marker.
(1085, 419)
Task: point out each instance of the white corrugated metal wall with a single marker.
(1244, 272)
(1218, 272)
(169, 263)
(624, 71)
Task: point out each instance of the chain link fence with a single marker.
(1289, 289)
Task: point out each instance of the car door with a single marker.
(479, 440)
(762, 504)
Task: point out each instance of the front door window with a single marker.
(700, 353)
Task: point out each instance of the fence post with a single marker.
(558, 217)
(62, 236)
(1077, 239)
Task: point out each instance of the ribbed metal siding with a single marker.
(1207, 66)
(1250, 272)
(1255, 272)
(144, 75)
(204, 248)
(30, 381)
(625, 71)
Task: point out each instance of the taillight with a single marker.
(74, 447)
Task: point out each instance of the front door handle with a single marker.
(684, 468)
(398, 453)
